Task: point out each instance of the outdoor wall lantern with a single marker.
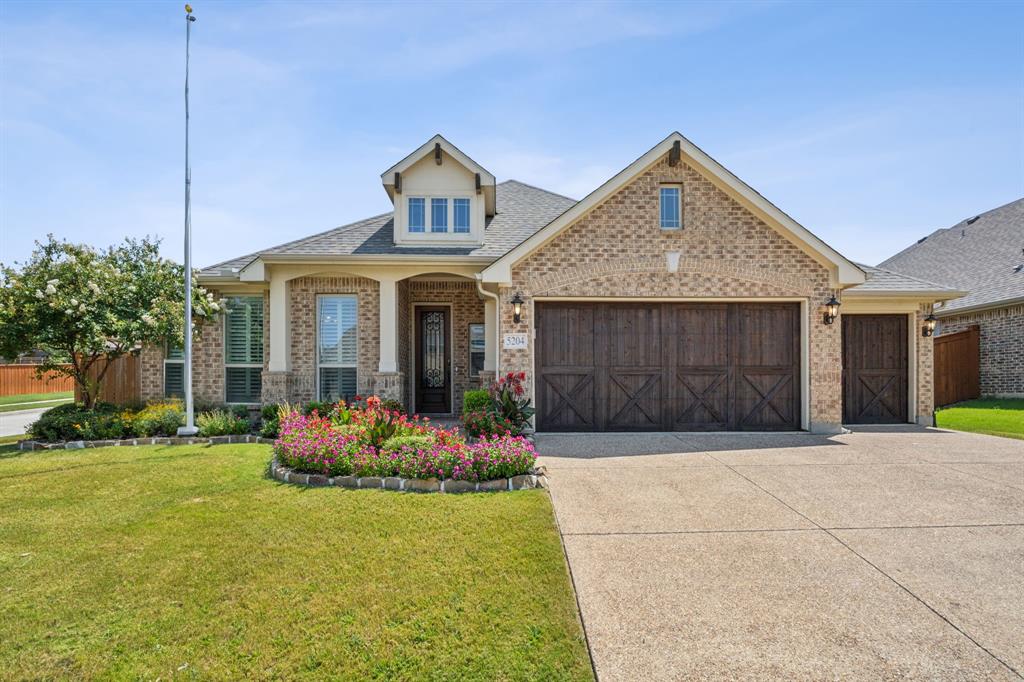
(517, 308)
(929, 326)
(831, 310)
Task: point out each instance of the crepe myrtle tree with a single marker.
(82, 304)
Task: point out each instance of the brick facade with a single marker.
(1002, 347)
(925, 371)
(618, 249)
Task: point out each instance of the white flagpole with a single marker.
(190, 427)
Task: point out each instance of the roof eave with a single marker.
(918, 294)
(1002, 303)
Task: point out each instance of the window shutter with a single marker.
(174, 379)
(244, 330)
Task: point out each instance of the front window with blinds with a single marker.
(336, 325)
(174, 371)
(243, 349)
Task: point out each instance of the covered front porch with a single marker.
(421, 335)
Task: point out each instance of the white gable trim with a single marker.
(388, 176)
(845, 271)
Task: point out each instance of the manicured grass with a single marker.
(28, 401)
(138, 563)
(991, 416)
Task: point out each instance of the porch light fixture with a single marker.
(831, 310)
(517, 308)
(929, 326)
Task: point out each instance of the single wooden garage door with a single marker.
(668, 366)
(875, 369)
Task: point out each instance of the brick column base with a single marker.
(486, 378)
(388, 385)
(275, 387)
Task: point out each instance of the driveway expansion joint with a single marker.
(879, 570)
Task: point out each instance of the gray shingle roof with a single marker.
(983, 256)
(881, 281)
(521, 210)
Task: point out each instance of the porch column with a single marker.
(280, 338)
(387, 380)
(388, 326)
(490, 371)
(276, 378)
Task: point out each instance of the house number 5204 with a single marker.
(514, 341)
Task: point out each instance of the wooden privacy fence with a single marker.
(120, 383)
(957, 367)
(20, 379)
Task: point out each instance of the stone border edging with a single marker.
(284, 474)
(156, 440)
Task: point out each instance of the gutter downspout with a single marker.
(497, 322)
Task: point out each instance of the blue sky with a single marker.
(871, 124)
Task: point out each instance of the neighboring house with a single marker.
(983, 256)
(672, 297)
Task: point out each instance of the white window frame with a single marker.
(426, 215)
(428, 235)
(316, 348)
(469, 214)
(239, 365)
(679, 205)
(483, 351)
(172, 361)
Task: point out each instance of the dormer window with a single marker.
(438, 215)
(461, 218)
(417, 214)
(441, 196)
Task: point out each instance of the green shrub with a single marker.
(271, 421)
(322, 407)
(74, 422)
(158, 419)
(414, 441)
(221, 423)
(477, 400)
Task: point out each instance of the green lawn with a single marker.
(26, 401)
(991, 416)
(139, 563)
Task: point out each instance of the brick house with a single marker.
(983, 256)
(672, 297)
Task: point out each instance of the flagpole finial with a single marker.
(188, 9)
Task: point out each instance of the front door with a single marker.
(433, 361)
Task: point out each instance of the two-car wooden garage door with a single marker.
(668, 366)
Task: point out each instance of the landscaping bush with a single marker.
(487, 423)
(510, 400)
(221, 423)
(158, 419)
(502, 409)
(74, 422)
(477, 400)
(271, 416)
(350, 442)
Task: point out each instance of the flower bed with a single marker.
(376, 442)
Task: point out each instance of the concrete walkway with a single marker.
(885, 553)
(15, 422)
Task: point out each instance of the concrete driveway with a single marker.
(885, 553)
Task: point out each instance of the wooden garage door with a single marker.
(668, 366)
(875, 369)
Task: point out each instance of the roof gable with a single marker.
(846, 272)
(438, 145)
